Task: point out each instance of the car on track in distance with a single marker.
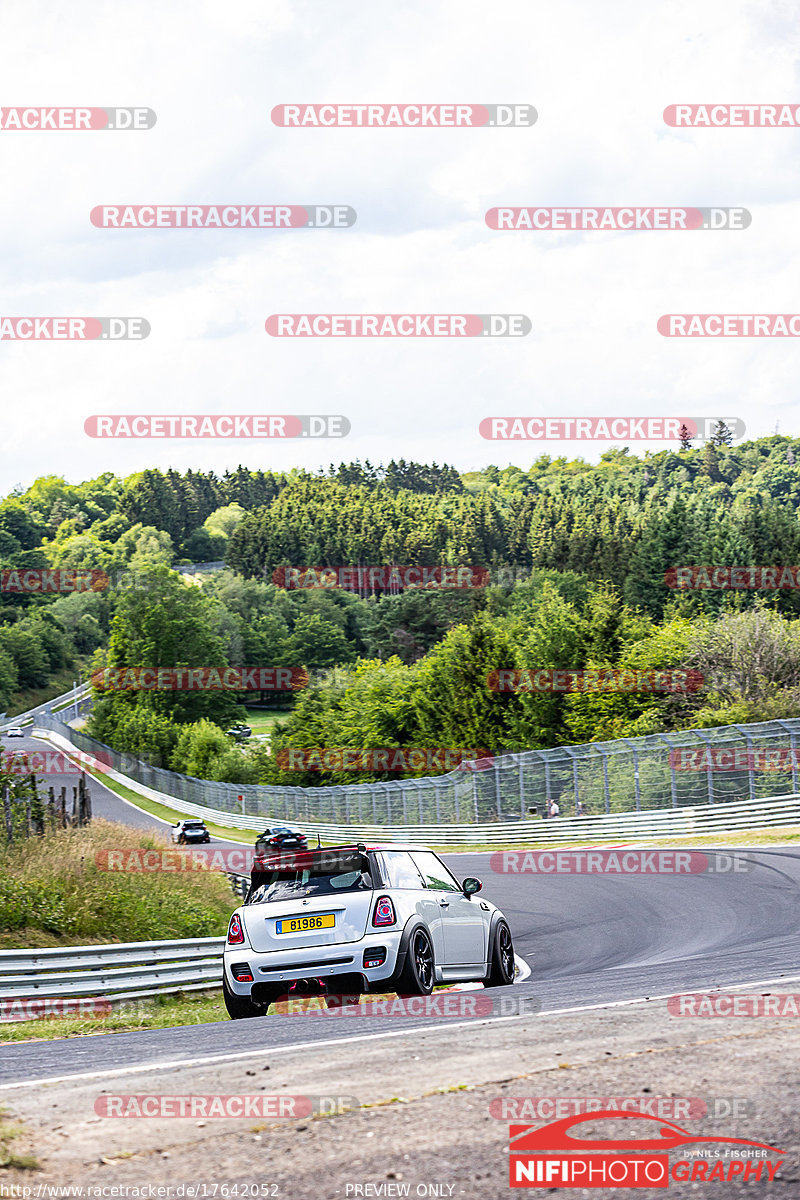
(240, 732)
(280, 837)
(15, 731)
(190, 832)
(349, 920)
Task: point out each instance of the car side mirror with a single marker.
(470, 886)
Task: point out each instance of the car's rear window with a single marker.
(305, 874)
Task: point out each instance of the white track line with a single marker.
(206, 1060)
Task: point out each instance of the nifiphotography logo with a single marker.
(551, 1156)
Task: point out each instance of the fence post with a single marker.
(7, 810)
(636, 790)
(497, 790)
(475, 793)
(521, 789)
(709, 773)
(606, 790)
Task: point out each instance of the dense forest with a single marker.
(577, 555)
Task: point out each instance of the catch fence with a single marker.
(729, 764)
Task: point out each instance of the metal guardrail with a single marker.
(76, 694)
(116, 972)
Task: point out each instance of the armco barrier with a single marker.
(700, 820)
(118, 972)
(75, 695)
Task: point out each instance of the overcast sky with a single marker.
(599, 77)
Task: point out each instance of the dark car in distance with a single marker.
(280, 837)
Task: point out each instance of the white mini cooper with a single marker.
(356, 919)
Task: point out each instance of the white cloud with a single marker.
(600, 78)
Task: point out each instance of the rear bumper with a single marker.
(317, 962)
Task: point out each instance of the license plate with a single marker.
(301, 924)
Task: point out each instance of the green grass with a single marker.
(157, 1012)
(8, 1158)
(54, 890)
(263, 721)
(246, 837)
(32, 697)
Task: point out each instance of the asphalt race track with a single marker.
(588, 939)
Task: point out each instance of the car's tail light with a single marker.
(235, 931)
(241, 972)
(384, 912)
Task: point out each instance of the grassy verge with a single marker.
(32, 697)
(8, 1157)
(157, 1012)
(247, 837)
(263, 722)
(55, 890)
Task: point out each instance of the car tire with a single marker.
(418, 973)
(502, 967)
(240, 1007)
